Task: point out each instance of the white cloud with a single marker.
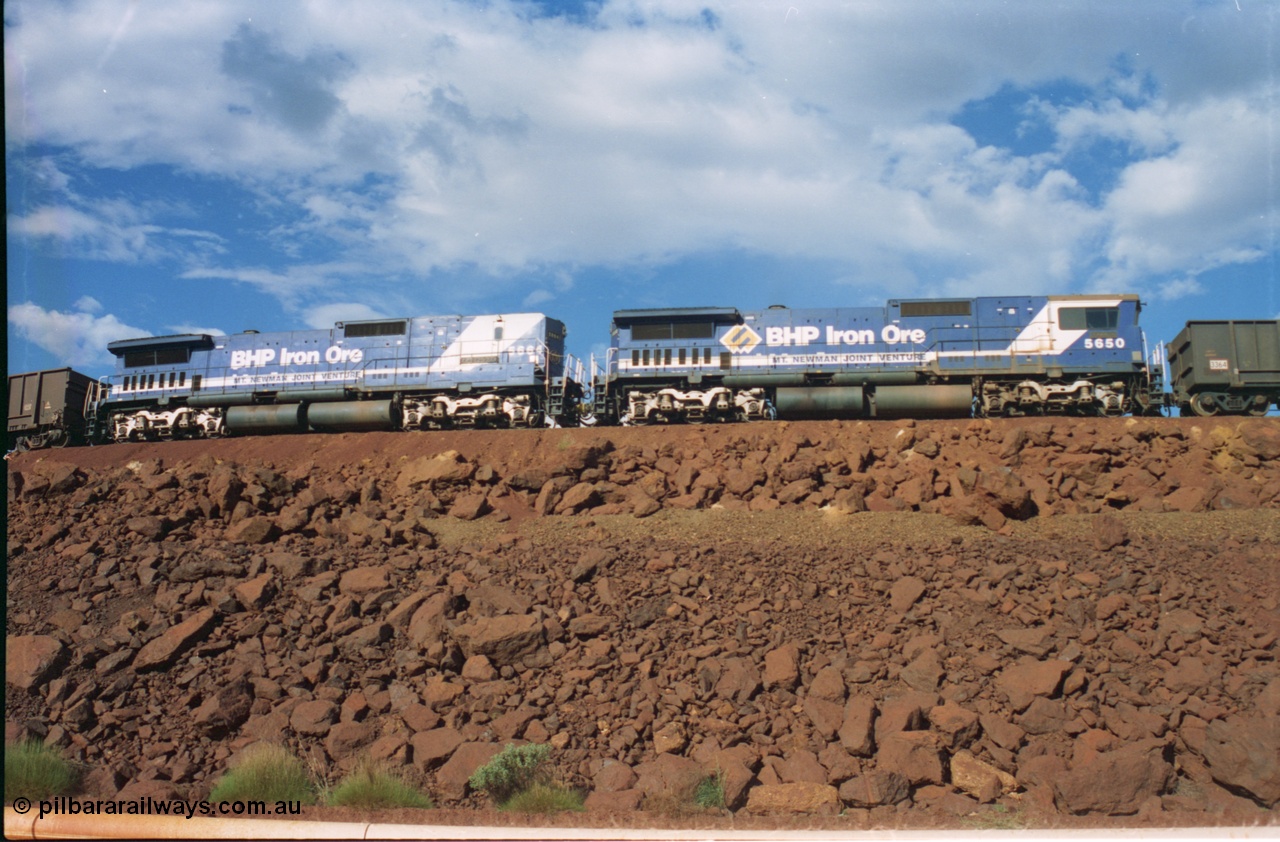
(74, 339)
(108, 229)
(1205, 204)
(180, 329)
(1178, 288)
(88, 304)
(420, 137)
(536, 299)
(291, 285)
(324, 316)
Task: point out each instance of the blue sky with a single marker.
(216, 165)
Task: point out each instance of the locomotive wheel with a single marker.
(1257, 410)
(1204, 406)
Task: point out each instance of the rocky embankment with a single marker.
(1038, 617)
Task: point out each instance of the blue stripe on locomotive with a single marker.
(431, 354)
(993, 335)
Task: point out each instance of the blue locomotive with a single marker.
(996, 356)
(507, 370)
(934, 358)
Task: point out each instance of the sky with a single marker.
(212, 166)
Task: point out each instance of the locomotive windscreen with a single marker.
(1089, 318)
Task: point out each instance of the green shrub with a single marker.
(709, 793)
(513, 770)
(544, 798)
(266, 772)
(688, 795)
(371, 786)
(34, 770)
(996, 817)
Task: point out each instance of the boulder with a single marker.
(826, 716)
(614, 777)
(1243, 755)
(1109, 533)
(802, 798)
(253, 530)
(362, 581)
(448, 468)
(430, 620)
(904, 593)
(876, 788)
(1043, 716)
(578, 497)
(313, 718)
(256, 592)
(670, 739)
(30, 660)
(292, 565)
(980, 779)
(148, 526)
(431, 748)
(1261, 438)
(924, 673)
(346, 739)
(669, 778)
(452, 778)
(739, 680)
(801, 767)
(469, 506)
(164, 650)
(782, 667)
(1115, 783)
(916, 755)
(504, 639)
(1026, 680)
(226, 710)
(857, 732)
(828, 684)
(958, 726)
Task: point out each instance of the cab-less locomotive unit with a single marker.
(985, 357)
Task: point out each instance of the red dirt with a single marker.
(946, 624)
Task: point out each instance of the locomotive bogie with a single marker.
(1207, 404)
(163, 424)
(487, 410)
(697, 406)
(1035, 397)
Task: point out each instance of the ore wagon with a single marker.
(47, 408)
(1225, 367)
